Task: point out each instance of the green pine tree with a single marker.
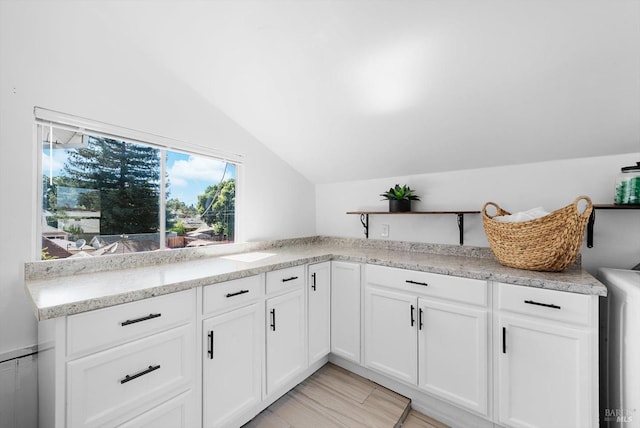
(127, 176)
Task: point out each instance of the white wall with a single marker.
(66, 57)
(515, 188)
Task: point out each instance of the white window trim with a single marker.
(101, 129)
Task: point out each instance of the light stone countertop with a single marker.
(65, 287)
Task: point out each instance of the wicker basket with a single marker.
(550, 243)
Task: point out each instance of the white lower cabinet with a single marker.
(132, 364)
(427, 341)
(115, 382)
(285, 338)
(547, 358)
(319, 310)
(453, 353)
(231, 365)
(390, 340)
(345, 310)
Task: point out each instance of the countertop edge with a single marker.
(515, 277)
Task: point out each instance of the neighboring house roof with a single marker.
(53, 249)
(52, 232)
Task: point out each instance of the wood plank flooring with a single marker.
(336, 398)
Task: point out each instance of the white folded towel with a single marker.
(531, 214)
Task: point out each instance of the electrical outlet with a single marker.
(385, 231)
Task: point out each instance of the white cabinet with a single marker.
(345, 310)
(175, 413)
(121, 365)
(319, 310)
(453, 352)
(429, 331)
(390, 333)
(546, 357)
(285, 336)
(231, 365)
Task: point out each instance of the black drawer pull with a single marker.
(237, 293)
(128, 378)
(148, 317)
(273, 319)
(210, 350)
(409, 281)
(289, 279)
(546, 305)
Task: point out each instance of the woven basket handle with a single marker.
(499, 211)
(588, 208)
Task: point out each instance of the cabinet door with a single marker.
(345, 310)
(319, 315)
(452, 344)
(391, 343)
(231, 369)
(543, 376)
(285, 338)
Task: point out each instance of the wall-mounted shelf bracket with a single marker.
(592, 217)
(364, 219)
(461, 227)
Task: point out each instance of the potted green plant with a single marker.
(400, 198)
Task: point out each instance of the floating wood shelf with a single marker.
(592, 217)
(364, 218)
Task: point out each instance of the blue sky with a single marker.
(188, 174)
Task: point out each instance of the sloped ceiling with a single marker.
(346, 90)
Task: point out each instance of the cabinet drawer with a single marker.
(96, 330)
(541, 303)
(230, 294)
(129, 378)
(175, 413)
(454, 288)
(285, 279)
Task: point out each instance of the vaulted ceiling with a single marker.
(349, 89)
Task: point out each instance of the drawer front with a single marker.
(231, 294)
(178, 412)
(131, 378)
(454, 288)
(285, 279)
(97, 330)
(541, 303)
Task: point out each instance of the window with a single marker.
(103, 194)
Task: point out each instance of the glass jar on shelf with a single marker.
(628, 186)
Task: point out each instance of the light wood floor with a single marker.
(334, 397)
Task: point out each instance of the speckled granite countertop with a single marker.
(64, 287)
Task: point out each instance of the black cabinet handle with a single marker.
(504, 340)
(420, 319)
(129, 378)
(210, 350)
(546, 305)
(273, 319)
(313, 283)
(289, 279)
(409, 281)
(148, 317)
(237, 293)
(413, 321)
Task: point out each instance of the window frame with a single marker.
(45, 117)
